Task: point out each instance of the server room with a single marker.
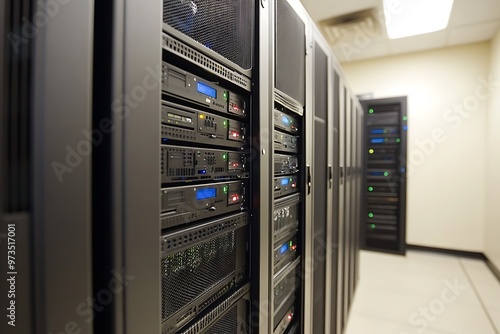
(249, 167)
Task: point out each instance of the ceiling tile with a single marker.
(418, 43)
(473, 33)
(466, 12)
(346, 54)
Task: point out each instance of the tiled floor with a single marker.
(424, 293)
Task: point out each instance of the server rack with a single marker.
(322, 183)
(337, 198)
(291, 133)
(206, 203)
(384, 224)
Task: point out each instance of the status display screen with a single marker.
(284, 248)
(207, 90)
(285, 120)
(206, 193)
(285, 182)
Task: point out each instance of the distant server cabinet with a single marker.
(206, 171)
(383, 226)
(289, 186)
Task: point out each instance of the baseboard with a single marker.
(466, 254)
(493, 268)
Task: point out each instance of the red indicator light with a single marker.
(235, 134)
(235, 198)
(290, 317)
(293, 185)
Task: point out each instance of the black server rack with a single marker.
(206, 170)
(335, 310)
(289, 169)
(383, 226)
(321, 186)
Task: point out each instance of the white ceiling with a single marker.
(471, 21)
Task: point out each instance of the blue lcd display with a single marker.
(207, 90)
(206, 193)
(284, 248)
(285, 182)
(377, 131)
(377, 140)
(285, 120)
(376, 173)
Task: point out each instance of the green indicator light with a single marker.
(226, 188)
(371, 111)
(405, 118)
(385, 130)
(386, 173)
(370, 188)
(225, 123)
(291, 179)
(225, 95)
(291, 243)
(370, 215)
(373, 225)
(371, 151)
(398, 140)
(224, 156)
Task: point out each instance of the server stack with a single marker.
(384, 222)
(205, 166)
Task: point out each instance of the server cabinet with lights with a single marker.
(383, 226)
(206, 189)
(289, 128)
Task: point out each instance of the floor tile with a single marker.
(406, 294)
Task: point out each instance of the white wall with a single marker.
(492, 237)
(446, 142)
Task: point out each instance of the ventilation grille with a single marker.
(346, 28)
(290, 57)
(218, 312)
(224, 26)
(188, 274)
(208, 64)
(228, 323)
(178, 241)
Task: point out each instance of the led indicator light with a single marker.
(405, 127)
(370, 215)
(291, 243)
(398, 140)
(225, 189)
(405, 118)
(371, 111)
(370, 188)
(224, 156)
(386, 173)
(225, 123)
(371, 151)
(373, 226)
(202, 116)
